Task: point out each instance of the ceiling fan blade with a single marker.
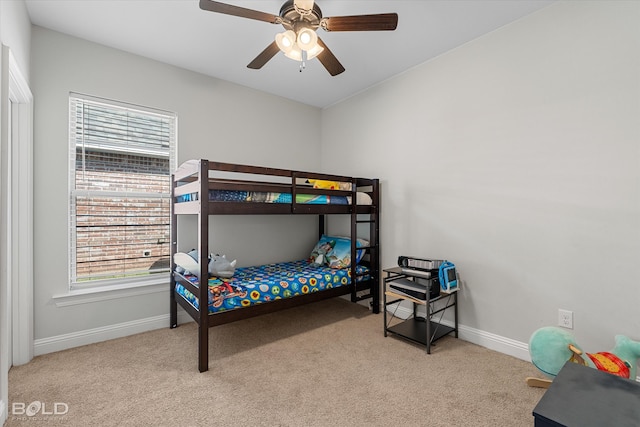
(264, 56)
(379, 22)
(227, 9)
(329, 60)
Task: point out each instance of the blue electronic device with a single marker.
(448, 277)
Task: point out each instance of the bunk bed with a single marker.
(203, 188)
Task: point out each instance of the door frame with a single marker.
(21, 102)
(16, 222)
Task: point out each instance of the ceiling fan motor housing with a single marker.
(292, 20)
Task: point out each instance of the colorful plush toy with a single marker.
(551, 347)
(330, 185)
(320, 254)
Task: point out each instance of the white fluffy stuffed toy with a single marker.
(218, 266)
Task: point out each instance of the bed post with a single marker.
(374, 254)
(203, 274)
(321, 226)
(173, 305)
(353, 238)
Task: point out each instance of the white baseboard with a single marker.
(90, 336)
(495, 342)
(488, 340)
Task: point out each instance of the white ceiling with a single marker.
(178, 32)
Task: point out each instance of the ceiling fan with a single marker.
(301, 19)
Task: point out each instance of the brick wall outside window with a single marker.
(121, 235)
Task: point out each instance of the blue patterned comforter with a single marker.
(264, 283)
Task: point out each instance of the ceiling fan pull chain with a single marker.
(303, 62)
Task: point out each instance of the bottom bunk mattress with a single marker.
(264, 283)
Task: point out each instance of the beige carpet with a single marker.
(324, 364)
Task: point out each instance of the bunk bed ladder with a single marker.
(373, 249)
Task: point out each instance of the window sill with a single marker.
(110, 292)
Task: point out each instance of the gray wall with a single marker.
(516, 156)
(15, 32)
(216, 120)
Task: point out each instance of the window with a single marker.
(121, 158)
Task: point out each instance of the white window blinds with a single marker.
(121, 157)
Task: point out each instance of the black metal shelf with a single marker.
(418, 329)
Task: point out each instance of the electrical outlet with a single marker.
(565, 318)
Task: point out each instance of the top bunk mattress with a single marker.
(270, 197)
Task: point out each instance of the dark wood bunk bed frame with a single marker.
(193, 177)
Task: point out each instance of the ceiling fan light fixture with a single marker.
(301, 47)
(315, 51)
(286, 41)
(307, 39)
(294, 53)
